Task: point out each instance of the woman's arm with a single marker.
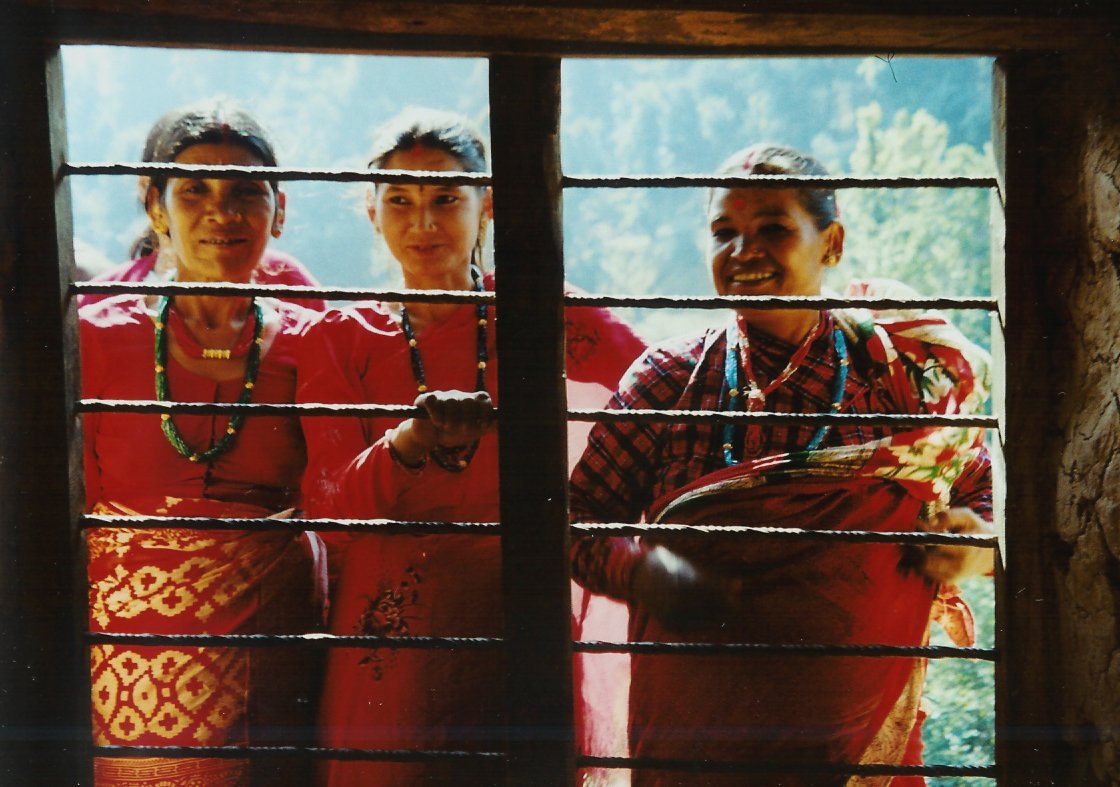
(970, 513)
(351, 471)
(615, 478)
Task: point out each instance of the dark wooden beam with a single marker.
(1029, 733)
(574, 28)
(524, 121)
(44, 669)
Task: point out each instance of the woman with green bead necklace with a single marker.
(199, 348)
(442, 358)
(758, 707)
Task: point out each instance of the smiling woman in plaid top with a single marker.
(765, 708)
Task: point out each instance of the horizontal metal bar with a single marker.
(314, 640)
(985, 303)
(779, 181)
(604, 416)
(291, 291)
(381, 526)
(230, 172)
(394, 527)
(920, 538)
(760, 417)
(250, 408)
(800, 649)
(840, 769)
(317, 640)
(317, 752)
(177, 170)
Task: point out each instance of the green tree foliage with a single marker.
(960, 697)
(936, 240)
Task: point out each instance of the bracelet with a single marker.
(399, 460)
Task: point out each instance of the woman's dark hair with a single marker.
(768, 159)
(430, 128)
(214, 121)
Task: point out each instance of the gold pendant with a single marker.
(210, 354)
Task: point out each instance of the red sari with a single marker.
(858, 709)
(419, 585)
(167, 581)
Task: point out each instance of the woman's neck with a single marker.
(791, 326)
(421, 314)
(213, 312)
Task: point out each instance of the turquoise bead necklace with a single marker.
(738, 347)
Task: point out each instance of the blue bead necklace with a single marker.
(738, 348)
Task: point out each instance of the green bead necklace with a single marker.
(252, 365)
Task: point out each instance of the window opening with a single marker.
(633, 246)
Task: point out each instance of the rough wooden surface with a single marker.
(44, 672)
(532, 432)
(1088, 499)
(553, 26)
(1028, 611)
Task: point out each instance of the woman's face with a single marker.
(429, 229)
(764, 242)
(218, 228)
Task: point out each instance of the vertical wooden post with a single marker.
(1028, 732)
(45, 670)
(524, 120)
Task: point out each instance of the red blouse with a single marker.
(127, 456)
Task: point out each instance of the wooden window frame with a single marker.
(45, 707)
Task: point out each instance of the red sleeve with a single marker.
(350, 473)
(600, 346)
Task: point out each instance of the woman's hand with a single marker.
(455, 418)
(950, 563)
(680, 594)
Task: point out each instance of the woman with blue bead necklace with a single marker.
(758, 707)
(442, 358)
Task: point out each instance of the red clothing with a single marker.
(183, 581)
(275, 267)
(758, 707)
(415, 585)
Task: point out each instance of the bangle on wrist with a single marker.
(395, 455)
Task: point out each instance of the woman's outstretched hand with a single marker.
(680, 594)
(455, 418)
(950, 563)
